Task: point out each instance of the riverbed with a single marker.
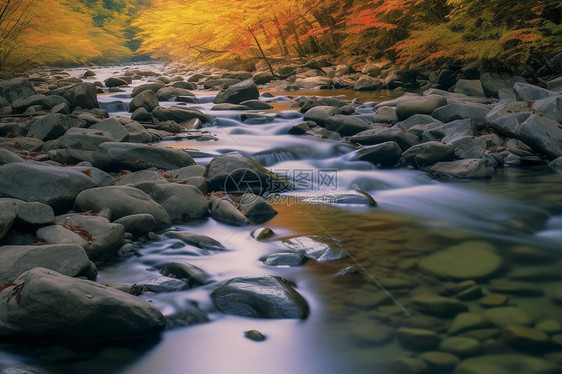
(519, 210)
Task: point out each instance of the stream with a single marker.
(416, 215)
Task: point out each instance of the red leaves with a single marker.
(6, 285)
(88, 172)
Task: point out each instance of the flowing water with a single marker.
(518, 209)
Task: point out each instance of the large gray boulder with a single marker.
(46, 102)
(493, 83)
(345, 125)
(123, 201)
(383, 155)
(454, 111)
(31, 213)
(181, 201)
(474, 168)
(428, 153)
(178, 114)
(7, 216)
(235, 94)
(104, 238)
(469, 87)
(15, 89)
(320, 114)
(51, 185)
(169, 92)
(378, 136)
(417, 124)
(84, 139)
(153, 86)
(58, 234)
(316, 248)
(77, 310)
(146, 99)
(53, 126)
(236, 172)
(422, 105)
(7, 157)
(543, 135)
(134, 156)
(451, 130)
(83, 95)
(262, 297)
(67, 259)
(506, 117)
(113, 128)
(529, 92)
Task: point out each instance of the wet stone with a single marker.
(160, 284)
(263, 233)
(515, 288)
(549, 326)
(482, 334)
(255, 335)
(375, 334)
(493, 300)
(467, 321)
(437, 305)
(506, 364)
(417, 339)
(525, 338)
(409, 365)
(461, 346)
(440, 360)
(508, 315)
(284, 259)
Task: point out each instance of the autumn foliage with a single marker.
(416, 32)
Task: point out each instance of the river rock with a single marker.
(368, 84)
(45, 102)
(7, 157)
(525, 338)
(313, 83)
(115, 82)
(262, 77)
(421, 105)
(470, 260)
(51, 185)
(179, 114)
(506, 117)
(146, 99)
(83, 309)
(123, 201)
(310, 102)
(467, 321)
(261, 297)
(133, 156)
(515, 288)
(543, 135)
(223, 211)
(228, 106)
(437, 305)
(428, 153)
(7, 216)
(15, 89)
(256, 209)
(57, 234)
(137, 224)
(350, 197)
(152, 86)
(345, 125)
(196, 240)
(182, 202)
(384, 154)
(284, 259)
(137, 133)
(113, 128)
(506, 364)
(104, 238)
(320, 114)
(169, 92)
(470, 169)
(84, 139)
(469, 87)
(31, 213)
(317, 248)
(142, 115)
(256, 104)
(67, 259)
(408, 365)
(461, 346)
(440, 361)
(506, 316)
(188, 273)
(238, 173)
(237, 93)
(467, 147)
(378, 136)
(417, 339)
(451, 130)
(83, 95)
(159, 285)
(141, 180)
(493, 83)
(53, 126)
(385, 114)
(454, 111)
(529, 92)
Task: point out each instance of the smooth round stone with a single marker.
(467, 321)
(461, 346)
(255, 335)
(470, 260)
(507, 315)
(418, 339)
(440, 360)
(493, 300)
(482, 334)
(515, 288)
(524, 337)
(549, 326)
(262, 233)
(506, 364)
(409, 365)
(374, 333)
(437, 305)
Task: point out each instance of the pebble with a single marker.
(461, 346)
(525, 338)
(493, 300)
(507, 315)
(482, 334)
(255, 335)
(417, 339)
(549, 326)
(515, 288)
(467, 321)
(409, 365)
(441, 361)
(437, 305)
